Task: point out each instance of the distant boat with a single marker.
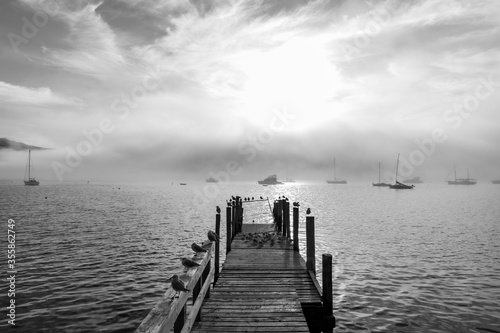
(495, 181)
(335, 180)
(271, 180)
(31, 181)
(379, 184)
(212, 180)
(414, 180)
(461, 181)
(398, 185)
(182, 183)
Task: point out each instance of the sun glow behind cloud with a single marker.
(226, 67)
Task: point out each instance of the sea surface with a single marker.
(95, 257)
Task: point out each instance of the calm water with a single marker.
(94, 258)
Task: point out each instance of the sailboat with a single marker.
(398, 185)
(461, 181)
(379, 184)
(31, 181)
(335, 180)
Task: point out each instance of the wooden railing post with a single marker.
(234, 218)
(327, 284)
(310, 244)
(286, 218)
(275, 214)
(296, 228)
(280, 216)
(240, 224)
(229, 232)
(205, 275)
(217, 248)
(181, 319)
(328, 318)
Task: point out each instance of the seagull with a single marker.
(212, 236)
(296, 204)
(196, 248)
(189, 263)
(308, 211)
(217, 209)
(178, 286)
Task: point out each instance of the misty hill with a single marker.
(9, 144)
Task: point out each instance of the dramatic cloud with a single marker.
(176, 89)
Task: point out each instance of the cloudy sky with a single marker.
(166, 90)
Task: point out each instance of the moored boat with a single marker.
(397, 185)
(335, 180)
(461, 181)
(32, 181)
(379, 184)
(271, 180)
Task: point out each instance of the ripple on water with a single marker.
(97, 259)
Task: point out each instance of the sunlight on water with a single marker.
(95, 257)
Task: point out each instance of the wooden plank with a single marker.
(260, 288)
(188, 325)
(162, 317)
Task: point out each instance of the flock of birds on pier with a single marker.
(261, 238)
(176, 283)
(256, 238)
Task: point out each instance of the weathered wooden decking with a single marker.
(261, 288)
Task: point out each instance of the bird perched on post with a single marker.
(296, 204)
(308, 211)
(178, 285)
(189, 263)
(217, 209)
(212, 236)
(196, 248)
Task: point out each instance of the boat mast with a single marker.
(29, 164)
(455, 169)
(397, 168)
(334, 177)
(379, 172)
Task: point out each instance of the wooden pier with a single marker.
(264, 286)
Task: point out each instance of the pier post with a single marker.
(296, 228)
(286, 218)
(280, 215)
(310, 245)
(234, 218)
(229, 233)
(328, 318)
(275, 214)
(240, 224)
(217, 248)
